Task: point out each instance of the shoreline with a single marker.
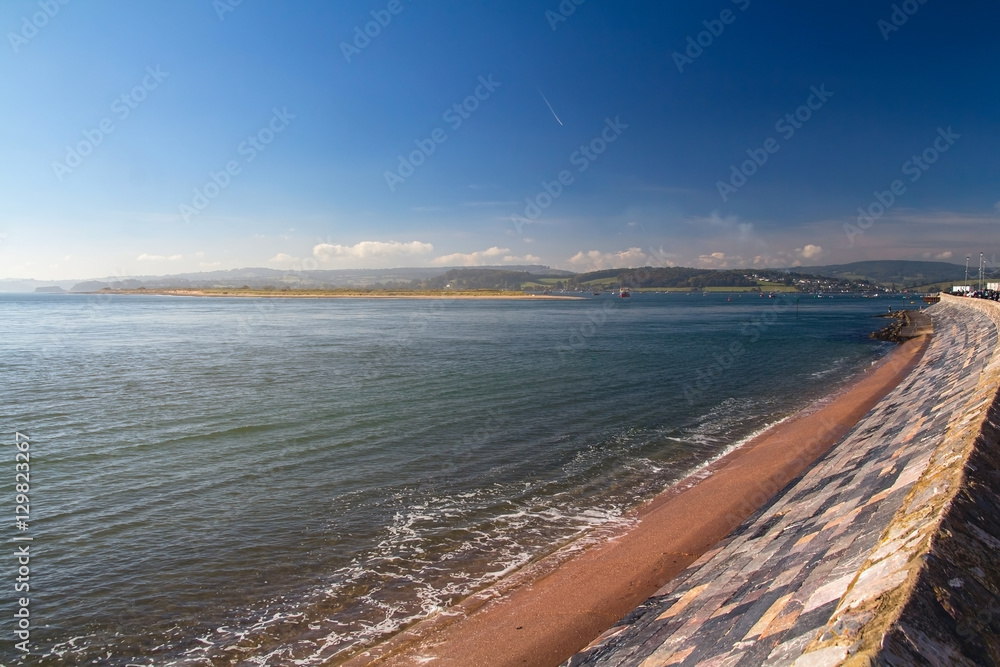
(553, 607)
(278, 294)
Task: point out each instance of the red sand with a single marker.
(552, 609)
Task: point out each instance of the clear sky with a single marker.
(148, 137)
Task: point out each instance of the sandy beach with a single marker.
(544, 613)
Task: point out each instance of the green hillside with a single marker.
(900, 273)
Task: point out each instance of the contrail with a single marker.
(550, 106)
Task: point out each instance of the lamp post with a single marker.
(966, 269)
(980, 272)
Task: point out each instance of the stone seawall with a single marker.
(941, 552)
(886, 552)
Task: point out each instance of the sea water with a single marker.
(287, 481)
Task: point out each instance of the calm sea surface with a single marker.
(282, 481)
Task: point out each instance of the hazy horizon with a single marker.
(409, 272)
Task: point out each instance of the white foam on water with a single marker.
(434, 552)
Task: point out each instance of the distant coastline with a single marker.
(336, 293)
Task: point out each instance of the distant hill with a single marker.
(259, 278)
(479, 279)
(900, 273)
(674, 277)
(27, 285)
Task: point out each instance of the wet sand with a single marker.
(546, 612)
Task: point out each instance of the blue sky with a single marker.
(724, 133)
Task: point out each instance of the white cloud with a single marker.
(595, 260)
(810, 251)
(370, 250)
(158, 258)
(780, 259)
(367, 253)
(717, 260)
(284, 260)
(728, 222)
(477, 258)
(660, 257)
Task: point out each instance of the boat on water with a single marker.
(597, 292)
(624, 293)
